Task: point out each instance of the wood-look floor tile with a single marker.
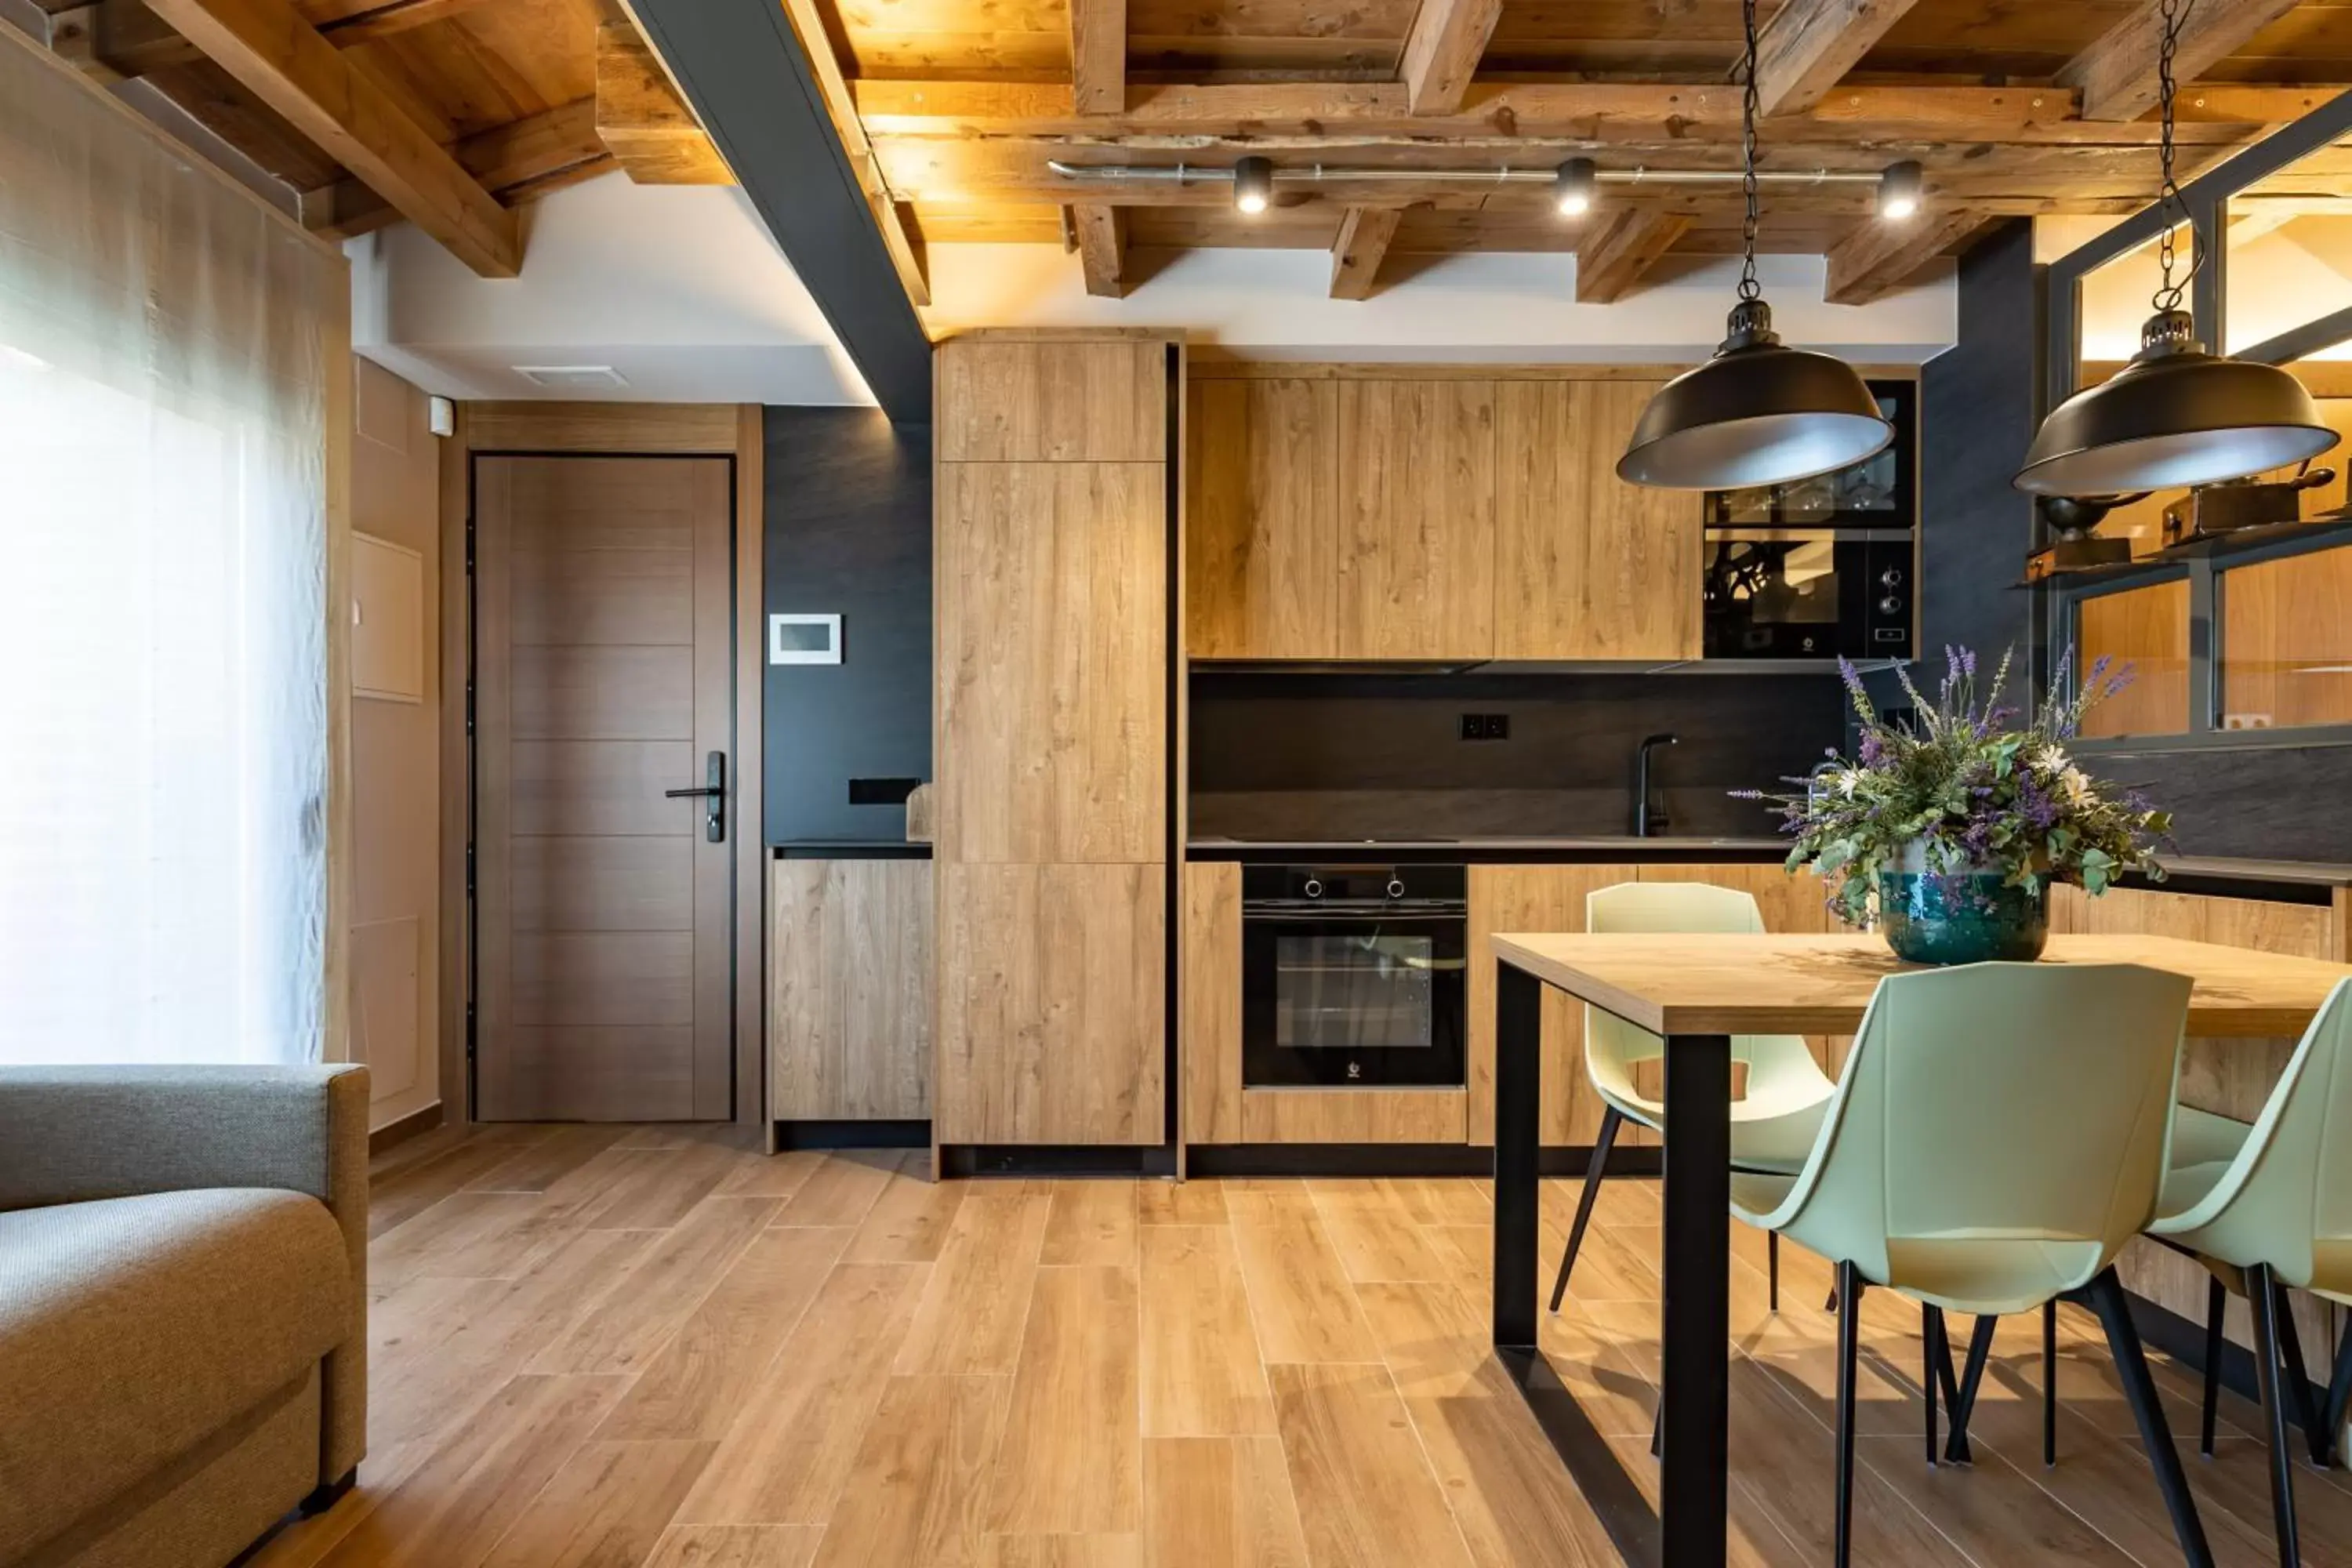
(737, 1546)
(1376, 1239)
(1181, 1203)
(1367, 1497)
(1426, 1200)
(1062, 1551)
(1091, 1223)
(1070, 1463)
(1513, 1500)
(1201, 1374)
(606, 1509)
(468, 1236)
(535, 1167)
(909, 1222)
(1299, 1297)
(1219, 1502)
(637, 1316)
(694, 1387)
(780, 1175)
(657, 1188)
(842, 1190)
(393, 1204)
(971, 1316)
(918, 1490)
(452, 1509)
(787, 1458)
(1435, 1342)
(1751, 1539)
(1990, 1511)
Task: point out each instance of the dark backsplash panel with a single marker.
(1380, 756)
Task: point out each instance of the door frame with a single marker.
(607, 430)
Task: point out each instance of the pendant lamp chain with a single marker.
(1748, 103)
(2168, 294)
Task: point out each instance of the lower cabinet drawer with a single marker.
(1355, 1115)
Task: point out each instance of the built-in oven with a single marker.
(1354, 975)
(1809, 592)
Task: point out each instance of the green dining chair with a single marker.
(2268, 1208)
(1998, 1135)
(1772, 1125)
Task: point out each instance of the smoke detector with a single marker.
(572, 377)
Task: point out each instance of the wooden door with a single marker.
(603, 912)
(1261, 523)
(1586, 565)
(1416, 520)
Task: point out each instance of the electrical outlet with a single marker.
(1473, 726)
(1498, 726)
(1485, 726)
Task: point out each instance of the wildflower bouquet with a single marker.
(1969, 792)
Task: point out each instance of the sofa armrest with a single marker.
(71, 1134)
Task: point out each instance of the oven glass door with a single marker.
(1341, 1001)
(1808, 593)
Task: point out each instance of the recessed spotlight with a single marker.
(1572, 188)
(1899, 188)
(1253, 185)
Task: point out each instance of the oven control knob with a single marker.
(1890, 605)
(1355, 1070)
(1313, 889)
(1892, 577)
(1396, 888)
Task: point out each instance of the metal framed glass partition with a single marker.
(2244, 638)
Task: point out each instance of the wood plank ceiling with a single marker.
(453, 112)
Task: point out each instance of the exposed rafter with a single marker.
(1619, 244)
(1810, 44)
(1099, 56)
(1356, 253)
(289, 66)
(1877, 259)
(1441, 54)
(1101, 237)
(2117, 74)
(642, 121)
(126, 38)
(514, 162)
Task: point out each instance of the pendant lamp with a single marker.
(2176, 414)
(1758, 412)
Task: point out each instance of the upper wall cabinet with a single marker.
(1262, 524)
(1416, 520)
(1054, 402)
(1587, 566)
(1052, 664)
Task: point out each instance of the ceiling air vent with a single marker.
(572, 377)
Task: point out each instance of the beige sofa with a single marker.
(182, 1307)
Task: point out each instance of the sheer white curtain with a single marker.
(164, 348)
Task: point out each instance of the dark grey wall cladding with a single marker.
(1377, 756)
(2265, 803)
(848, 531)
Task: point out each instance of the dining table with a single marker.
(1698, 991)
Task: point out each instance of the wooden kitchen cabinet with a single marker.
(1586, 565)
(849, 990)
(1053, 1004)
(1209, 1003)
(1416, 520)
(1051, 667)
(1051, 400)
(1262, 529)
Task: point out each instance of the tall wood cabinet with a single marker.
(1052, 722)
(1392, 517)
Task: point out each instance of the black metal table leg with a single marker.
(1687, 1529)
(1693, 1485)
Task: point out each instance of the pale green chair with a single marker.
(2268, 1208)
(1998, 1135)
(1772, 1126)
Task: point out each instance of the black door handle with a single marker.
(714, 816)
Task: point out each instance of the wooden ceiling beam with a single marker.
(1879, 258)
(1099, 56)
(1592, 116)
(1619, 244)
(1442, 52)
(289, 64)
(514, 162)
(2117, 74)
(1362, 244)
(1101, 235)
(125, 38)
(1810, 44)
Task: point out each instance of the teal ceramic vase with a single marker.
(1961, 917)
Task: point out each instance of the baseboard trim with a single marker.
(810, 1133)
(1056, 1160)
(399, 1130)
(1398, 1160)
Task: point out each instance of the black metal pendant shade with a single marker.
(1756, 414)
(2175, 416)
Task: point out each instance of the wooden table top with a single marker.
(1684, 983)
